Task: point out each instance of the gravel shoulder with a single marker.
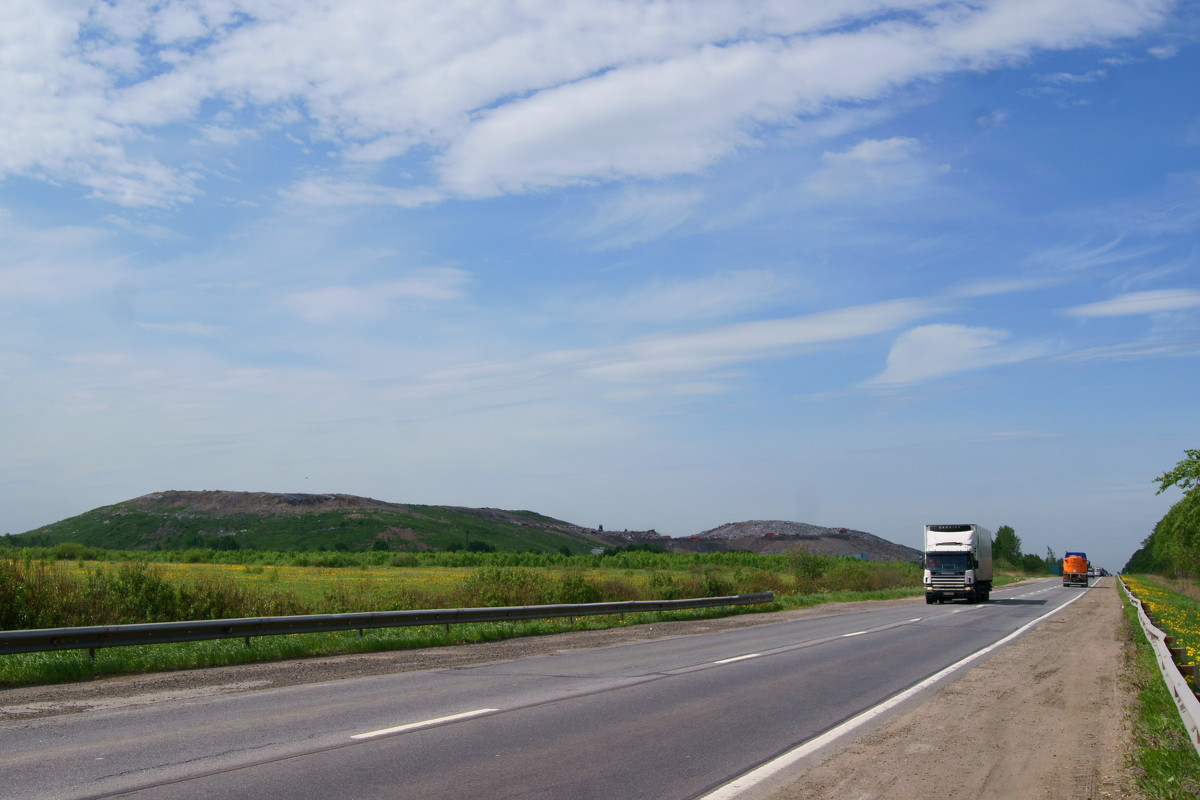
(1048, 713)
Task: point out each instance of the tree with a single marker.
(1032, 562)
(1173, 549)
(1186, 474)
(1007, 546)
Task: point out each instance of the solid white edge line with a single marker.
(782, 762)
(737, 658)
(425, 723)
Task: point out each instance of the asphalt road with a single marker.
(662, 719)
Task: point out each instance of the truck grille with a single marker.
(947, 581)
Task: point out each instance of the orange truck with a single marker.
(1075, 569)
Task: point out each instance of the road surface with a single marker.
(674, 717)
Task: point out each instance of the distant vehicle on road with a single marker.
(1075, 569)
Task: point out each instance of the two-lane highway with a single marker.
(669, 718)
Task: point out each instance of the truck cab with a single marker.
(958, 563)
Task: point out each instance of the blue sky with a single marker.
(642, 264)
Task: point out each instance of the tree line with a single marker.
(1006, 552)
(1173, 548)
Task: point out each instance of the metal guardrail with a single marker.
(1172, 672)
(94, 637)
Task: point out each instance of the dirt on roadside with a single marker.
(1045, 717)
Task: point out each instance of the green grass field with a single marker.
(49, 592)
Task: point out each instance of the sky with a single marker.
(642, 264)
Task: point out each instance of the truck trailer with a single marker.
(958, 563)
(1075, 569)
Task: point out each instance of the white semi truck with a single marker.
(958, 563)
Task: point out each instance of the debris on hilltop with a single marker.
(302, 521)
(779, 536)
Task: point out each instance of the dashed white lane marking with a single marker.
(737, 658)
(855, 633)
(426, 723)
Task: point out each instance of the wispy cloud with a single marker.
(496, 98)
(872, 166)
(933, 351)
(724, 294)
(653, 358)
(1071, 77)
(1137, 303)
(1138, 351)
(638, 215)
(1085, 255)
(681, 363)
(336, 192)
(330, 303)
(988, 287)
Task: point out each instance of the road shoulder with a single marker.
(1047, 716)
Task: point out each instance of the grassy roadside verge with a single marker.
(67, 666)
(63, 666)
(74, 665)
(1167, 767)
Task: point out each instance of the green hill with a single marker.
(308, 522)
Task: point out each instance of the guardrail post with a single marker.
(91, 654)
(1189, 671)
(246, 641)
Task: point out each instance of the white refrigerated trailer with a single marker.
(958, 563)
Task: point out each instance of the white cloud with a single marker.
(932, 351)
(369, 302)
(668, 365)
(1084, 256)
(333, 192)
(498, 97)
(1137, 351)
(662, 357)
(712, 296)
(639, 215)
(1137, 303)
(871, 166)
(993, 119)
(988, 287)
(1071, 78)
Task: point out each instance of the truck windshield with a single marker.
(955, 562)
